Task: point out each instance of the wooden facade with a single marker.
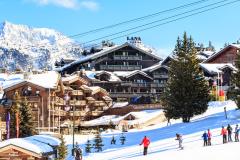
(50, 107)
(132, 58)
(226, 55)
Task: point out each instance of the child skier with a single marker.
(209, 137)
(179, 138)
(236, 133)
(224, 134)
(205, 138)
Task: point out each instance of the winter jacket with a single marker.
(205, 136)
(145, 142)
(209, 134)
(224, 131)
(229, 129)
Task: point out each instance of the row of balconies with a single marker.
(146, 84)
(129, 57)
(132, 94)
(121, 67)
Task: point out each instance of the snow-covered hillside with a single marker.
(21, 46)
(163, 144)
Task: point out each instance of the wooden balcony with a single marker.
(121, 67)
(32, 99)
(129, 57)
(164, 76)
(131, 94)
(78, 113)
(59, 112)
(96, 113)
(158, 85)
(77, 102)
(99, 103)
(77, 92)
(59, 101)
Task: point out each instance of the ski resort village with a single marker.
(149, 85)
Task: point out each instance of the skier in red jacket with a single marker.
(145, 143)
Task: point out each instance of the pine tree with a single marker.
(122, 139)
(234, 90)
(98, 142)
(26, 127)
(186, 93)
(62, 150)
(14, 111)
(88, 147)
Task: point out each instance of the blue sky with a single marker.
(76, 16)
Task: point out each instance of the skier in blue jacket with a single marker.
(205, 138)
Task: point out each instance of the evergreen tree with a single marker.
(62, 150)
(14, 114)
(26, 126)
(186, 93)
(122, 139)
(234, 90)
(98, 142)
(88, 147)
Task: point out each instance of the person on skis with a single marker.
(209, 137)
(205, 138)
(145, 143)
(229, 129)
(236, 133)
(180, 140)
(224, 134)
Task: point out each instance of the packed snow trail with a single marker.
(163, 144)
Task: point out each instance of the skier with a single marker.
(229, 129)
(179, 138)
(78, 154)
(145, 143)
(236, 133)
(209, 137)
(205, 138)
(113, 141)
(224, 134)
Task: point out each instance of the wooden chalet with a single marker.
(55, 101)
(129, 72)
(38, 147)
(226, 55)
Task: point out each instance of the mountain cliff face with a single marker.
(22, 47)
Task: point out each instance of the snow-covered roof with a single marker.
(69, 78)
(141, 117)
(39, 144)
(128, 74)
(47, 79)
(214, 68)
(154, 67)
(119, 104)
(106, 51)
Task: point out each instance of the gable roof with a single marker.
(106, 51)
(214, 68)
(221, 51)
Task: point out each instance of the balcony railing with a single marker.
(121, 67)
(78, 113)
(77, 92)
(96, 113)
(146, 84)
(77, 102)
(131, 94)
(59, 101)
(160, 76)
(99, 103)
(130, 57)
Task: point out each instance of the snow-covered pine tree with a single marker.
(122, 139)
(88, 146)
(26, 127)
(186, 93)
(62, 150)
(98, 142)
